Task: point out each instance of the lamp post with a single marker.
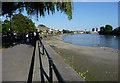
(85, 31)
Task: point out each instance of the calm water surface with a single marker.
(93, 40)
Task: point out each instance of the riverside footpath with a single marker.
(23, 63)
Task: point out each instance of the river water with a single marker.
(93, 40)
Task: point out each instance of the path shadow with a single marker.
(12, 44)
(42, 71)
(31, 66)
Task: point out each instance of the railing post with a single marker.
(50, 71)
(52, 67)
(43, 49)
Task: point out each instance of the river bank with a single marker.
(94, 63)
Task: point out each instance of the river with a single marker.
(93, 40)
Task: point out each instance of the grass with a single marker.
(69, 59)
(44, 54)
(52, 46)
(86, 74)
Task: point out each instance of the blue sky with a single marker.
(86, 15)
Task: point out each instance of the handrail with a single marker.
(52, 66)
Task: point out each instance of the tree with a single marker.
(6, 27)
(42, 25)
(59, 32)
(23, 24)
(116, 31)
(40, 31)
(47, 31)
(101, 30)
(66, 31)
(108, 29)
(38, 8)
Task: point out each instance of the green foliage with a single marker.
(66, 31)
(59, 32)
(116, 31)
(69, 59)
(88, 32)
(102, 28)
(37, 8)
(83, 74)
(0, 27)
(51, 32)
(40, 31)
(45, 35)
(47, 31)
(41, 35)
(23, 24)
(19, 24)
(6, 27)
(42, 25)
(108, 29)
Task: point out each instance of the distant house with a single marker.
(43, 29)
(53, 31)
(95, 29)
(79, 32)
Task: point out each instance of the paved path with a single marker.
(16, 62)
(0, 65)
(20, 62)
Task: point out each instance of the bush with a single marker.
(107, 30)
(41, 35)
(45, 35)
(88, 32)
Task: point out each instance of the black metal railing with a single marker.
(52, 66)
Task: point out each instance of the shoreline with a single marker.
(105, 48)
(87, 46)
(88, 59)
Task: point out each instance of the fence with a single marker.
(52, 66)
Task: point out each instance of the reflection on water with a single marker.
(93, 40)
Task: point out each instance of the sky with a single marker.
(96, 0)
(86, 15)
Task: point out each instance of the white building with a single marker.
(95, 29)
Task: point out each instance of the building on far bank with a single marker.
(95, 29)
(43, 29)
(78, 32)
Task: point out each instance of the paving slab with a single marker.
(36, 71)
(45, 65)
(16, 62)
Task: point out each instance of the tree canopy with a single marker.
(23, 24)
(102, 28)
(108, 30)
(5, 27)
(38, 8)
(116, 31)
(19, 23)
